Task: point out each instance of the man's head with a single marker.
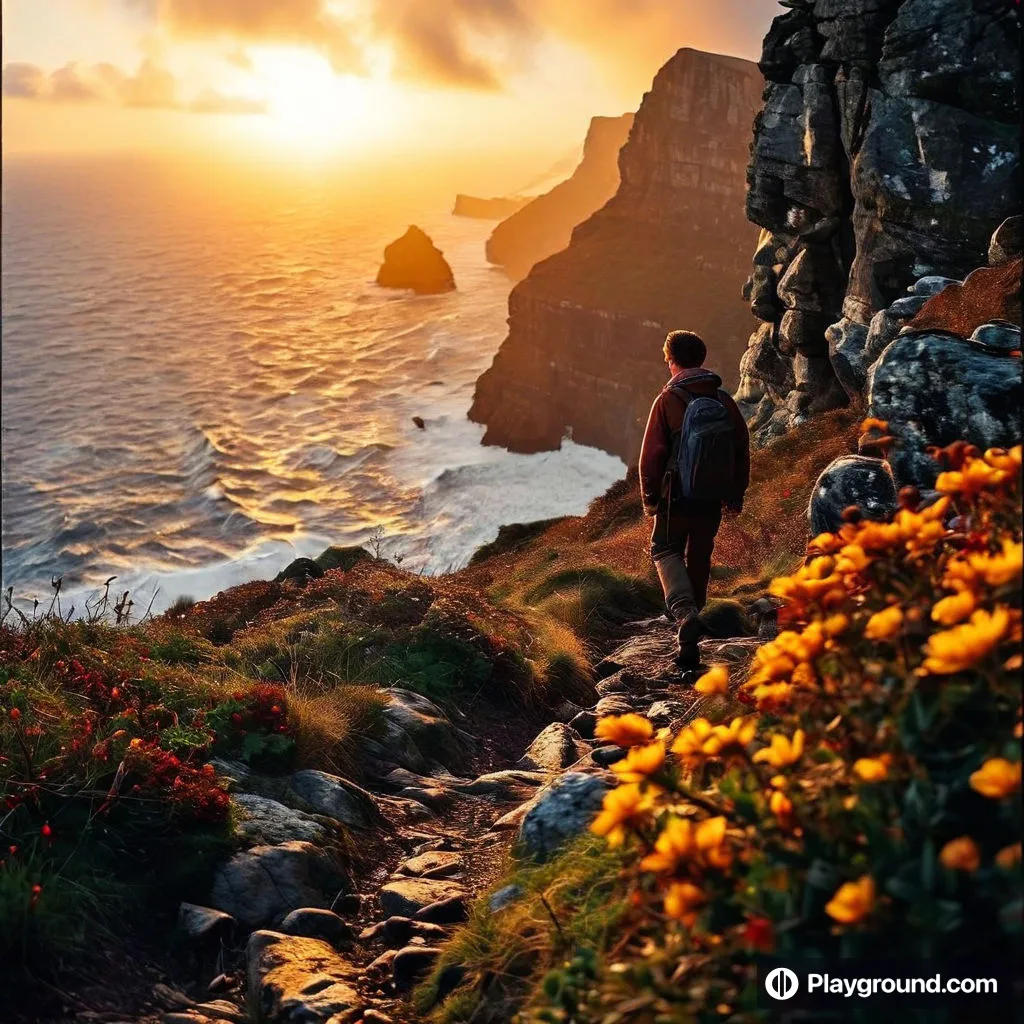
(684, 350)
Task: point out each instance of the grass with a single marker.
(503, 954)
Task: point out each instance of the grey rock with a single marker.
(607, 756)
(910, 388)
(998, 338)
(584, 724)
(405, 897)
(266, 822)
(504, 783)
(613, 684)
(448, 910)
(504, 897)
(300, 571)
(561, 812)
(616, 704)
(335, 797)
(847, 344)
(261, 885)
(200, 924)
(904, 309)
(383, 963)
(851, 480)
(221, 1009)
(315, 923)
(665, 712)
(411, 964)
(931, 285)
(434, 864)
(1007, 241)
(556, 747)
(427, 726)
(297, 980)
(398, 931)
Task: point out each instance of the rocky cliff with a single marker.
(887, 151)
(544, 226)
(583, 354)
(488, 209)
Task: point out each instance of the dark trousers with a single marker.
(681, 545)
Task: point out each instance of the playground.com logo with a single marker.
(782, 983)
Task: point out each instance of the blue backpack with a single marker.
(704, 453)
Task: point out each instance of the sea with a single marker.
(202, 382)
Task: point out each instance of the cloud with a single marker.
(152, 87)
(478, 44)
(210, 101)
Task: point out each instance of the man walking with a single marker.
(694, 463)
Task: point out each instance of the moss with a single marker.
(343, 558)
(510, 539)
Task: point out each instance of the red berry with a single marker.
(15, 714)
(46, 831)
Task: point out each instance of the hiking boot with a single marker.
(690, 630)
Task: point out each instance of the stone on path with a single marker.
(315, 923)
(261, 885)
(560, 813)
(293, 979)
(266, 822)
(556, 747)
(405, 897)
(434, 864)
(335, 797)
(411, 964)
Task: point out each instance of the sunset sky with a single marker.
(342, 77)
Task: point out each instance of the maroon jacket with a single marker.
(666, 419)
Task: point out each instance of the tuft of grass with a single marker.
(327, 724)
(566, 905)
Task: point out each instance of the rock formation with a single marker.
(583, 355)
(489, 209)
(887, 151)
(544, 226)
(413, 261)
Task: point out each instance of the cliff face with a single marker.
(583, 355)
(887, 150)
(544, 225)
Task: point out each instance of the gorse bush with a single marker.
(871, 806)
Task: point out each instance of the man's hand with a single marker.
(732, 509)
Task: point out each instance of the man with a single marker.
(685, 524)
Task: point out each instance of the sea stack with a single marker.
(413, 261)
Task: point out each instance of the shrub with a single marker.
(873, 805)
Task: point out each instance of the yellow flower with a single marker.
(672, 847)
(884, 624)
(853, 901)
(622, 807)
(1009, 857)
(961, 854)
(836, 624)
(689, 744)
(852, 559)
(871, 769)
(135, 744)
(955, 608)
(772, 693)
(804, 676)
(725, 738)
(998, 570)
(961, 647)
(996, 778)
(715, 681)
(625, 730)
(1008, 461)
(781, 806)
(782, 752)
(825, 544)
(976, 475)
(925, 536)
(640, 762)
(682, 900)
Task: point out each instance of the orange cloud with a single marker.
(151, 87)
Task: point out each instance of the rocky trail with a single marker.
(291, 935)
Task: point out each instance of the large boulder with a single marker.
(261, 821)
(933, 389)
(851, 480)
(413, 261)
(297, 980)
(426, 725)
(561, 812)
(556, 747)
(260, 886)
(335, 797)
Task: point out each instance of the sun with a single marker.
(313, 109)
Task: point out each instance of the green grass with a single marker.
(567, 905)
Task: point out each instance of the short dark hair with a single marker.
(686, 349)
